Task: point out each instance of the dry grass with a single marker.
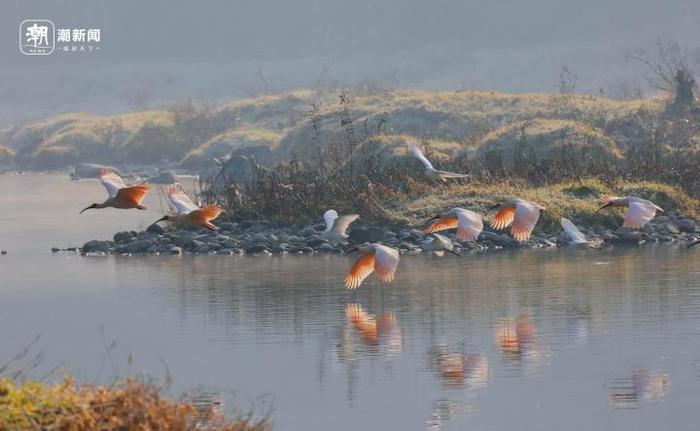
(129, 405)
(576, 200)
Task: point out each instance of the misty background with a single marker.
(156, 52)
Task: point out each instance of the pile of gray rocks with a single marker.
(263, 238)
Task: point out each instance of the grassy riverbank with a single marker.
(129, 404)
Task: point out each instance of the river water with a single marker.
(562, 339)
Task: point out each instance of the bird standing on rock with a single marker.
(521, 214)
(120, 196)
(639, 211)
(375, 258)
(577, 237)
(438, 244)
(188, 212)
(468, 223)
(430, 172)
(337, 226)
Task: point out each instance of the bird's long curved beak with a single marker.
(694, 244)
(434, 217)
(87, 208)
(454, 252)
(352, 250)
(161, 219)
(496, 206)
(604, 206)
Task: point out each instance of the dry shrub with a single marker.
(128, 405)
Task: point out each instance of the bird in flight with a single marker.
(120, 196)
(639, 211)
(438, 244)
(376, 258)
(519, 213)
(430, 172)
(188, 212)
(337, 226)
(468, 223)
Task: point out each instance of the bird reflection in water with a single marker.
(518, 343)
(375, 333)
(458, 370)
(444, 410)
(643, 386)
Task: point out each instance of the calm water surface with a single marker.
(544, 339)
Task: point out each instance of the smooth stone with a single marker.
(361, 235)
(230, 243)
(316, 242)
(686, 225)
(122, 237)
(95, 246)
(325, 248)
(155, 229)
(203, 249)
(501, 240)
(256, 248)
(227, 225)
(138, 246)
(627, 236)
(304, 250)
(308, 231)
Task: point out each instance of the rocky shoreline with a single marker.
(263, 238)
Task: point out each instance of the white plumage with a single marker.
(336, 226)
(575, 235)
(430, 172)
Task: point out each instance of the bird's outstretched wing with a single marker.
(639, 213)
(207, 213)
(341, 224)
(329, 217)
(133, 194)
(503, 218)
(526, 216)
(418, 154)
(362, 268)
(386, 262)
(111, 181)
(182, 203)
(576, 236)
(469, 225)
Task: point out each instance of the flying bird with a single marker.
(519, 213)
(468, 223)
(639, 211)
(337, 226)
(430, 172)
(438, 244)
(375, 258)
(188, 212)
(120, 196)
(577, 237)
